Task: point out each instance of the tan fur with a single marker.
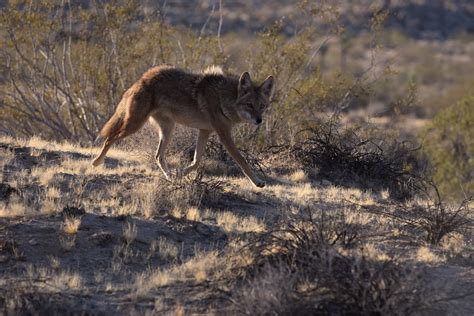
(209, 101)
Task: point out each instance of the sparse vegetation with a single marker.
(71, 225)
(359, 213)
(310, 257)
(332, 247)
(437, 219)
(449, 147)
(358, 157)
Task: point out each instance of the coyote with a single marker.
(209, 101)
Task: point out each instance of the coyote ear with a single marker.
(245, 84)
(267, 86)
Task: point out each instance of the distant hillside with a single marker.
(437, 19)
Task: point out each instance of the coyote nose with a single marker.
(259, 120)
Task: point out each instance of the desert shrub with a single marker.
(180, 194)
(66, 66)
(448, 144)
(436, 219)
(318, 276)
(355, 156)
(439, 220)
(457, 91)
(431, 216)
(271, 293)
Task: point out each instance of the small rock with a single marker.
(4, 258)
(102, 238)
(326, 183)
(32, 242)
(209, 231)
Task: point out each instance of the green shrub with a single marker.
(449, 146)
(67, 66)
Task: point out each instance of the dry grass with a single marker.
(232, 223)
(12, 209)
(71, 225)
(193, 214)
(197, 270)
(129, 232)
(166, 249)
(425, 254)
(298, 176)
(41, 144)
(54, 280)
(299, 246)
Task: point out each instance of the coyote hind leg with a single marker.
(136, 116)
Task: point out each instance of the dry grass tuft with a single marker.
(232, 223)
(193, 214)
(12, 209)
(71, 225)
(130, 232)
(188, 193)
(197, 269)
(426, 255)
(299, 176)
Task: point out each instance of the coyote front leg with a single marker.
(199, 151)
(166, 133)
(228, 142)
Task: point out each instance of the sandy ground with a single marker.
(79, 240)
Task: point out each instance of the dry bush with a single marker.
(41, 291)
(179, 194)
(307, 256)
(6, 191)
(271, 293)
(67, 65)
(432, 215)
(9, 247)
(323, 228)
(351, 156)
(437, 219)
(22, 299)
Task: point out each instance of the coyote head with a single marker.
(252, 100)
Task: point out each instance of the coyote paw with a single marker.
(97, 162)
(168, 176)
(259, 183)
(173, 175)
